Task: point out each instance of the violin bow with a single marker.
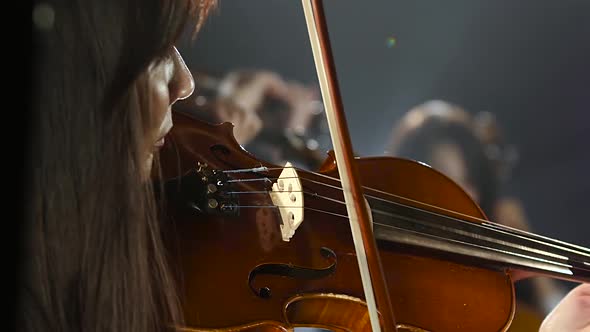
(372, 276)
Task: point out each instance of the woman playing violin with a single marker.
(106, 75)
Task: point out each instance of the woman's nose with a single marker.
(183, 84)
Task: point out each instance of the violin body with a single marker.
(235, 272)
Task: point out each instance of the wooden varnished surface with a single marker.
(214, 256)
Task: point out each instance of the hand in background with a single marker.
(243, 93)
(572, 314)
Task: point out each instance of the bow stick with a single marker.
(376, 294)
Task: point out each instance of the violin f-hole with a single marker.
(292, 271)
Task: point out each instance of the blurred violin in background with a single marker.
(274, 119)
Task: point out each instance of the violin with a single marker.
(241, 268)
(264, 247)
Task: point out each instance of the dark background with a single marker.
(528, 62)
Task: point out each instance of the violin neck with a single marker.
(486, 243)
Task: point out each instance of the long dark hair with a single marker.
(436, 122)
(93, 255)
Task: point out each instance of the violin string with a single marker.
(477, 245)
(525, 233)
(476, 236)
(266, 179)
(288, 207)
(251, 180)
(485, 224)
(483, 221)
(394, 215)
(555, 265)
(340, 202)
(455, 241)
(254, 169)
(486, 227)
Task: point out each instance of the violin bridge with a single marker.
(287, 196)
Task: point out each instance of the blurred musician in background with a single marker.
(471, 151)
(274, 119)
